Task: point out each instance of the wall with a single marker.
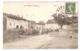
(12, 23)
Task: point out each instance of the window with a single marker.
(21, 27)
(17, 26)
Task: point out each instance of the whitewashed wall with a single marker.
(14, 23)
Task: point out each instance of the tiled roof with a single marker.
(14, 17)
(51, 21)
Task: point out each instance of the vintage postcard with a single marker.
(40, 25)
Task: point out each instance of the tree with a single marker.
(61, 18)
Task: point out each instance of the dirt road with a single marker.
(29, 43)
(46, 41)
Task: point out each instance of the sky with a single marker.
(36, 11)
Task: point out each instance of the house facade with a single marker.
(15, 22)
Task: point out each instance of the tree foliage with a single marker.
(63, 19)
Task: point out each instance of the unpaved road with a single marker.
(60, 43)
(46, 41)
(29, 43)
(62, 40)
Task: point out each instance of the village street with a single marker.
(32, 42)
(61, 40)
(40, 25)
(60, 43)
(44, 41)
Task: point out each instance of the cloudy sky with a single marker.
(37, 11)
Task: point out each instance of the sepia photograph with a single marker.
(40, 25)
